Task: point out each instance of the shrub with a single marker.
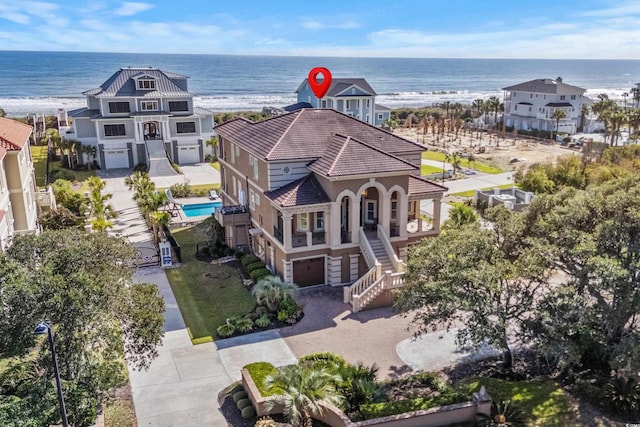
(258, 274)
(270, 291)
(504, 413)
(259, 371)
(244, 325)
(180, 190)
(248, 259)
(383, 409)
(288, 310)
(239, 254)
(623, 395)
(261, 310)
(140, 167)
(263, 321)
(63, 174)
(239, 395)
(229, 251)
(248, 413)
(236, 388)
(243, 403)
(265, 421)
(254, 266)
(226, 330)
(326, 357)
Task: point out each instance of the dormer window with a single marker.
(146, 84)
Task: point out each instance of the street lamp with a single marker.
(45, 328)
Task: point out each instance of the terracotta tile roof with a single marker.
(303, 191)
(307, 133)
(13, 135)
(419, 185)
(348, 156)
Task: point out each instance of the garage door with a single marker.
(188, 155)
(308, 272)
(117, 159)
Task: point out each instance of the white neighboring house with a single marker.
(18, 208)
(530, 105)
(136, 113)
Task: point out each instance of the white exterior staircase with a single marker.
(159, 164)
(386, 271)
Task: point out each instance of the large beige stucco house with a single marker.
(325, 198)
(18, 209)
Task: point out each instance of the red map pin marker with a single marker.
(319, 88)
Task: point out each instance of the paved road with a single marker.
(474, 182)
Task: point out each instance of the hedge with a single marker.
(248, 259)
(259, 371)
(383, 409)
(259, 274)
(254, 266)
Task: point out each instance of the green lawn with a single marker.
(428, 170)
(477, 165)
(542, 401)
(472, 193)
(206, 303)
(39, 155)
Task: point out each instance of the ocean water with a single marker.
(41, 82)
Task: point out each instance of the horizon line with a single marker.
(283, 55)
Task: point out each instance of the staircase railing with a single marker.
(360, 300)
(367, 251)
(359, 285)
(398, 264)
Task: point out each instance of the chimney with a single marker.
(559, 79)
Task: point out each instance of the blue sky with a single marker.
(441, 29)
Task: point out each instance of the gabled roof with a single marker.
(13, 135)
(348, 156)
(304, 191)
(419, 185)
(307, 133)
(546, 86)
(340, 84)
(380, 107)
(121, 83)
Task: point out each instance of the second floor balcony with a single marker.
(232, 215)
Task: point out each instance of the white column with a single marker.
(437, 205)
(385, 211)
(309, 238)
(166, 135)
(272, 257)
(286, 233)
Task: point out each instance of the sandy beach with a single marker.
(491, 146)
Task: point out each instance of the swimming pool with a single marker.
(200, 209)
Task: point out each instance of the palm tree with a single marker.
(494, 107)
(472, 160)
(100, 211)
(303, 388)
(557, 116)
(461, 215)
(603, 108)
(270, 291)
(158, 220)
(634, 122)
(455, 159)
(635, 94)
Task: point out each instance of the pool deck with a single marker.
(183, 221)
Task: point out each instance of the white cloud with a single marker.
(132, 8)
(312, 24)
(18, 18)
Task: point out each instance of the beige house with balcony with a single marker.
(18, 209)
(324, 198)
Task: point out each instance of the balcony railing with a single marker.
(318, 238)
(229, 215)
(345, 236)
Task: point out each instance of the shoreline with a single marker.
(21, 106)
